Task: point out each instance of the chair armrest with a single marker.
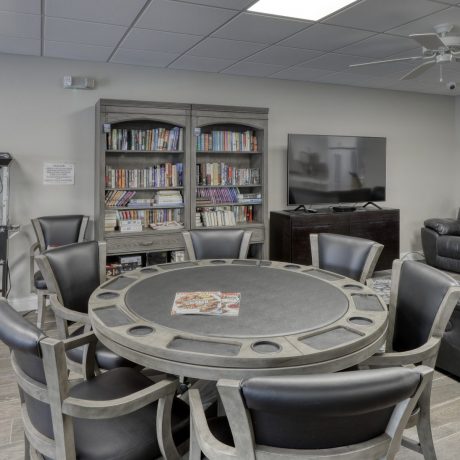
(79, 340)
(209, 445)
(426, 352)
(444, 226)
(67, 313)
(32, 251)
(89, 409)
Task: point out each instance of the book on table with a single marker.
(207, 303)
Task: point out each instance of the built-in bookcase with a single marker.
(200, 166)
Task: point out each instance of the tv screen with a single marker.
(335, 169)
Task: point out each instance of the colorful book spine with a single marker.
(227, 141)
(161, 139)
(225, 174)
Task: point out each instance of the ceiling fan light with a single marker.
(312, 10)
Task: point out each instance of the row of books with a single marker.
(160, 175)
(121, 198)
(163, 139)
(113, 219)
(225, 174)
(206, 196)
(227, 141)
(225, 216)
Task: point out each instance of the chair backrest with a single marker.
(350, 256)
(217, 244)
(23, 339)
(73, 272)
(54, 231)
(421, 302)
(325, 411)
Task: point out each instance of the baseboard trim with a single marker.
(24, 303)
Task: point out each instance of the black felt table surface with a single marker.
(274, 302)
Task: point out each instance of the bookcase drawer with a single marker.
(147, 243)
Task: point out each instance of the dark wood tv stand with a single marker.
(290, 232)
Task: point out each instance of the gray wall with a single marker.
(39, 121)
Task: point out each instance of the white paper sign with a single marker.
(58, 174)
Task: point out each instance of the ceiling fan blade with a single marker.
(419, 70)
(414, 58)
(429, 41)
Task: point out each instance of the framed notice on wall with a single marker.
(58, 174)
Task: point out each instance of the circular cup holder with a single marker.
(108, 295)
(140, 330)
(149, 270)
(264, 346)
(292, 267)
(359, 320)
(218, 261)
(352, 287)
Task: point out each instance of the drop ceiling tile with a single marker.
(201, 64)
(20, 25)
(118, 12)
(184, 18)
(379, 46)
(157, 40)
(259, 28)
(425, 25)
(282, 55)
(253, 69)
(379, 16)
(333, 62)
(301, 73)
(76, 51)
(89, 33)
(20, 45)
(143, 57)
(21, 6)
(230, 4)
(325, 37)
(220, 48)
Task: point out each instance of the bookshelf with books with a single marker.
(165, 167)
(142, 176)
(229, 148)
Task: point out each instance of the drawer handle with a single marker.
(145, 243)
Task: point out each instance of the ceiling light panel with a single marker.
(310, 10)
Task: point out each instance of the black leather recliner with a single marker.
(441, 246)
(441, 243)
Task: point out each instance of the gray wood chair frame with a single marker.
(38, 247)
(64, 407)
(190, 250)
(62, 313)
(426, 354)
(202, 440)
(369, 266)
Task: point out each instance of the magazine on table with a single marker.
(207, 303)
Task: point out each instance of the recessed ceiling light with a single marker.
(312, 10)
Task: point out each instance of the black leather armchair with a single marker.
(119, 414)
(72, 273)
(421, 302)
(360, 414)
(441, 243)
(346, 255)
(217, 244)
(52, 231)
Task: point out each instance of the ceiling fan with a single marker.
(437, 48)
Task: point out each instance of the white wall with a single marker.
(39, 121)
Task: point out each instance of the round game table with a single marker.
(293, 319)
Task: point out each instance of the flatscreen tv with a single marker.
(335, 169)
